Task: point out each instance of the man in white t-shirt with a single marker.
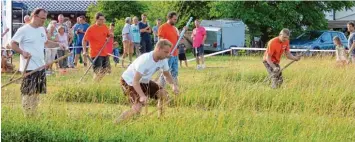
(29, 41)
(136, 80)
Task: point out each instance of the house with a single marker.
(337, 20)
(70, 9)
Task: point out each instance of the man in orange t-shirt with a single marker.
(275, 48)
(169, 31)
(97, 36)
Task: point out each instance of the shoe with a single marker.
(203, 66)
(198, 67)
(48, 73)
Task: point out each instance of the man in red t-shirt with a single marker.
(169, 31)
(97, 35)
(272, 56)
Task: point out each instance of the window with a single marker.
(342, 37)
(335, 34)
(313, 35)
(326, 37)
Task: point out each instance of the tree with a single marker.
(184, 9)
(267, 18)
(116, 12)
(117, 9)
(159, 10)
(195, 9)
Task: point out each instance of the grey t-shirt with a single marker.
(155, 29)
(351, 41)
(181, 47)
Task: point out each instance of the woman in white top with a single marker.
(127, 41)
(50, 52)
(63, 39)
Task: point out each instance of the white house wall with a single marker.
(345, 14)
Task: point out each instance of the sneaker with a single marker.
(48, 73)
(198, 67)
(203, 66)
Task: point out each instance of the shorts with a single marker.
(78, 49)
(200, 51)
(102, 64)
(34, 83)
(277, 79)
(182, 56)
(150, 90)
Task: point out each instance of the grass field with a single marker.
(225, 102)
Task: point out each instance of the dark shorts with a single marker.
(78, 49)
(102, 64)
(150, 90)
(200, 51)
(182, 56)
(34, 83)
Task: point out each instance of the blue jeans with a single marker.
(173, 66)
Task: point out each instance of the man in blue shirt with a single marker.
(146, 30)
(351, 41)
(155, 31)
(80, 29)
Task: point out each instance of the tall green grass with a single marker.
(227, 102)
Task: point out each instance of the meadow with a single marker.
(227, 101)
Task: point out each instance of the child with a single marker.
(182, 51)
(339, 51)
(116, 53)
(6, 67)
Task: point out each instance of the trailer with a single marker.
(223, 34)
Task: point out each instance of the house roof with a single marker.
(18, 6)
(337, 24)
(58, 5)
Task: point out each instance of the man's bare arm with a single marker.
(171, 81)
(16, 48)
(84, 45)
(269, 61)
(52, 44)
(291, 57)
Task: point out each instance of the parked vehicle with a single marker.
(223, 34)
(320, 40)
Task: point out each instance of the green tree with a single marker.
(184, 9)
(195, 9)
(158, 9)
(267, 18)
